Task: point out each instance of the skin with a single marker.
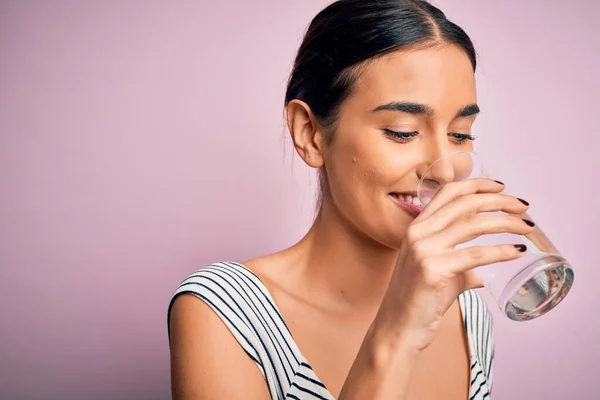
(367, 293)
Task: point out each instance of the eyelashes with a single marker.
(463, 137)
(405, 137)
(401, 136)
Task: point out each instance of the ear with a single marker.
(306, 134)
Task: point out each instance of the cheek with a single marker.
(370, 161)
(385, 164)
(376, 179)
(360, 173)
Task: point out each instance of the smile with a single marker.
(409, 202)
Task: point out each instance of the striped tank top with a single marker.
(246, 307)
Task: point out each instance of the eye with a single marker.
(461, 138)
(402, 137)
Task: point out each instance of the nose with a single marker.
(437, 169)
(445, 167)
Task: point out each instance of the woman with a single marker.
(373, 303)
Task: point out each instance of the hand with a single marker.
(429, 273)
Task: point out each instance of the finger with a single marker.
(469, 205)
(466, 259)
(452, 190)
(474, 226)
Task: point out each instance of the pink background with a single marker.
(140, 140)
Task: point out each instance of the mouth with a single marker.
(408, 201)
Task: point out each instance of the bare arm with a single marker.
(382, 368)
(207, 362)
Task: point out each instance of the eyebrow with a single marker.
(423, 109)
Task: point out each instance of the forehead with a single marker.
(441, 77)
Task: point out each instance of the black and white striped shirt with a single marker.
(244, 304)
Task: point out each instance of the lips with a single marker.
(408, 201)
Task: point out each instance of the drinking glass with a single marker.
(525, 288)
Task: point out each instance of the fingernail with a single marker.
(521, 247)
(499, 182)
(528, 222)
(523, 201)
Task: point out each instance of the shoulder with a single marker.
(478, 319)
(215, 279)
(233, 298)
(479, 326)
(228, 288)
(204, 325)
(475, 309)
(237, 296)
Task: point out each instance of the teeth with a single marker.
(409, 199)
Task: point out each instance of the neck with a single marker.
(342, 266)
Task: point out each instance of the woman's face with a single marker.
(407, 109)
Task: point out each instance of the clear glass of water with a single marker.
(525, 288)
